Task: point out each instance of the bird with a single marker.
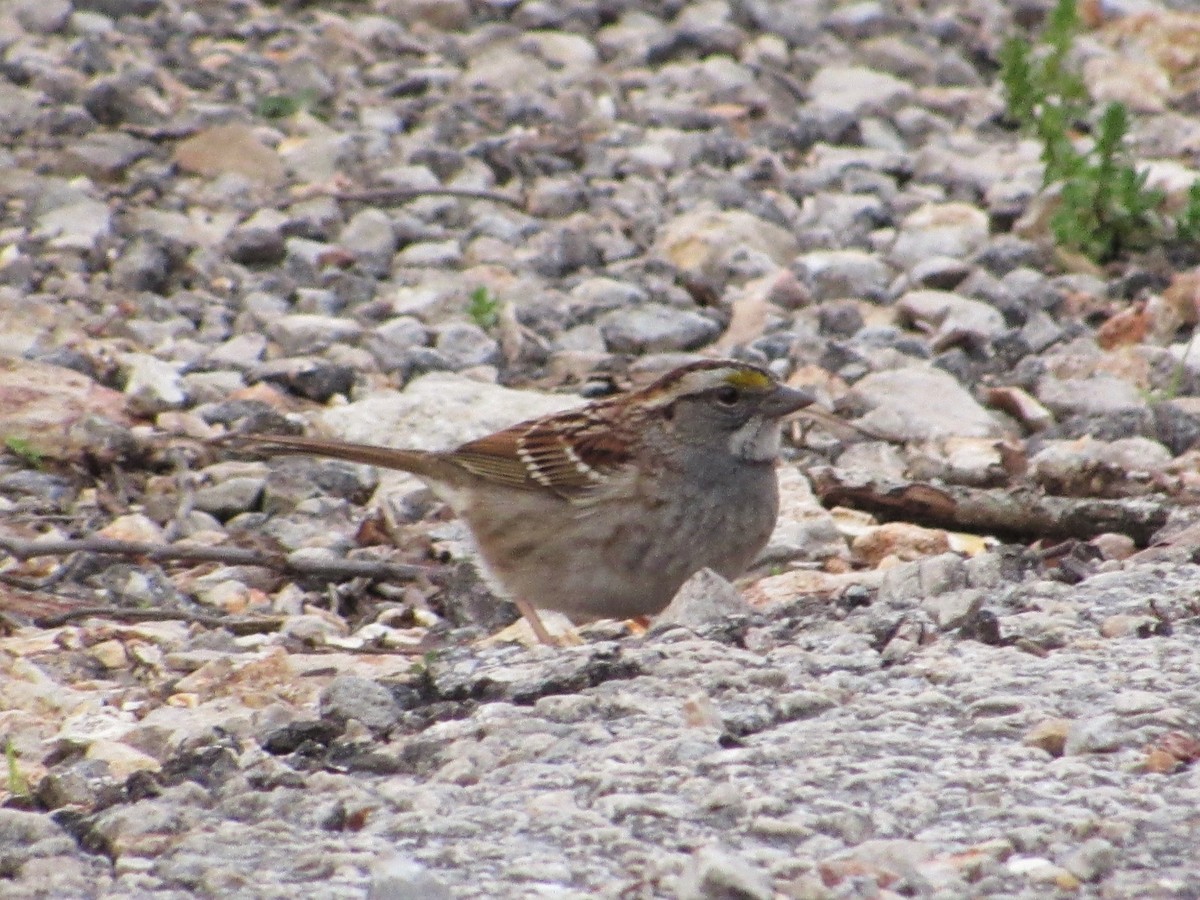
(604, 511)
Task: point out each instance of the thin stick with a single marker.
(235, 556)
(238, 625)
(403, 195)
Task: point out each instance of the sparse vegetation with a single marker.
(18, 786)
(282, 106)
(1105, 207)
(484, 308)
(25, 450)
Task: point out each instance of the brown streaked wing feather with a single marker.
(567, 454)
(599, 447)
(495, 458)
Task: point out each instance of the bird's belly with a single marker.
(621, 558)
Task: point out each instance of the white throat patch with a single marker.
(757, 440)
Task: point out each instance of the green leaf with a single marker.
(18, 786)
(283, 106)
(23, 448)
(484, 308)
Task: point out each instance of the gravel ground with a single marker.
(415, 221)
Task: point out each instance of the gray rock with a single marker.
(435, 254)
(463, 345)
(144, 266)
(952, 318)
(368, 702)
(438, 411)
(369, 234)
(951, 609)
(151, 384)
(922, 404)
(803, 705)
(707, 242)
(317, 301)
(1040, 331)
(229, 496)
(117, 8)
(704, 599)
(556, 198)
(42, 16)
(395, 877)
(922, 579)
(947, 229)
(854, 90)
(656, 329)
(1094, 734)
(860, 20)
(299, 334)
(593, 296)
(23, 829)
(320, 157)
(562, 250)
(942, 273)
(391, 341)
(316, 379)
(79, 225)
(834, 220)
(714, 873)
(212, 387)
(305, 256)
(240, 351)
(1098, 395)
(1072, 466)
(1093, 860)
(78, 784)
(835, 274)
(315, 218)
(105, 156)
(257, 245)
(150, 333)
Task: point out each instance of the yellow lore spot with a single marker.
(748, 379)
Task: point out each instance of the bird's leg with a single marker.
(535, 622)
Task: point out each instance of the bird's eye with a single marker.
(728, 396)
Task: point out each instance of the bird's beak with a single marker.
(784, 401)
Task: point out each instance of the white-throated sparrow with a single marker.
(604, 511)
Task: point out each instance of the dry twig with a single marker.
(234, 556)
(238, 625)
(1016, 513)
(403, 195)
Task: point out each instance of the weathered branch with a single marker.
(1015, 513)
(238, 625)
(403, 195)
(235, 556)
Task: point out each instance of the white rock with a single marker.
(300, 333)
(76, 226)
(438, 411)
(951, 315)
(151, 384)
(940, 229)
(922, 403)
(857, 90)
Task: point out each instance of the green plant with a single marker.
(1105, 207)
(420, 668)
(1187, 227)
(282, 106)
(18, 786)
(484, 308)
(25, 450)
(1175, 382)
(1037, 82)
